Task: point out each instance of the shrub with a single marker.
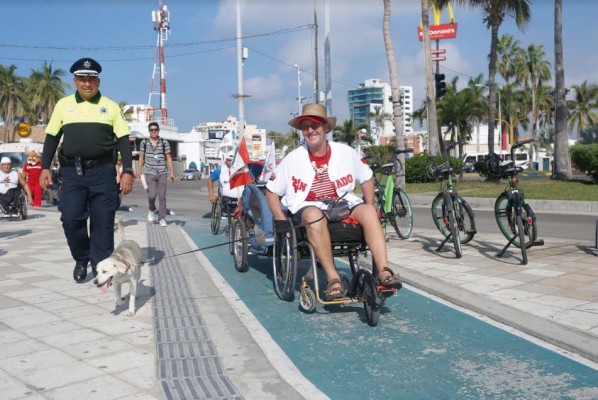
(416, 167)
(585, 156)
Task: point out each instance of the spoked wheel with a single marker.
(505, 218)
(371, 303)
(22, 207)
(402, 214)
(440, 216)
(215, 217)
(522, 238)
(238, 238)
(307, 300)
(454, 228)
(284, 265)
(465, 221)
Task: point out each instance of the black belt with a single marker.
(88, 164)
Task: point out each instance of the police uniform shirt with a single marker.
(88, 127)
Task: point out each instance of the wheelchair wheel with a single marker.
(369, 290)
(21, 206)
(215, 217)
(284, 265)
(238, 238)
(307, 300)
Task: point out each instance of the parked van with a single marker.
(521, 159)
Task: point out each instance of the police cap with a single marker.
(86, 67)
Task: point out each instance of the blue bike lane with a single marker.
(421, 349)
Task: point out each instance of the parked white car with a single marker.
(190, 175)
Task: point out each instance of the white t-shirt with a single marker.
(8, 181)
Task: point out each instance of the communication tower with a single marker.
(161, 20)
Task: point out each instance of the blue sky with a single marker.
(201, 69)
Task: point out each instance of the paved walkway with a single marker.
(190, 339)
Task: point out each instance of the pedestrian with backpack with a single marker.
(155, 163)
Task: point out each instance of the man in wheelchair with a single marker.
(11, 183)
(316, 183)
(222, 175)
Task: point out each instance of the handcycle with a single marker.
(18, 209)
(400, 213)
(252, 229)
(452, 215)
(513, 214)
(347, 241)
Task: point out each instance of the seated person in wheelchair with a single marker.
(222, 175)
(10, 187)
(320, 172)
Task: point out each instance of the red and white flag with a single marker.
(239, 171)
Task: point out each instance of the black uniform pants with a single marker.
(93, 195)
(8, 199)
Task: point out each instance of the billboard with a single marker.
(441, 31)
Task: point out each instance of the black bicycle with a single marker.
(452, 215)
(399, 212)
(514, 216)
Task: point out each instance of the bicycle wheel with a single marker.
(465, 220)
(521, 236)
(453, 209)
(401, 214)
(505, 217)
(238, 235)
(440, 215)
(284, 266)
(215, 217)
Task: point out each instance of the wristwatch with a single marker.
(128, 171)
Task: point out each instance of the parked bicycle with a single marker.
(513, 214)
(452, 215)
(398, 212)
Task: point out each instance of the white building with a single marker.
(374, 94)
(202, 145)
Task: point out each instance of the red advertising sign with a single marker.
(442, 31)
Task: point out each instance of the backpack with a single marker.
(161, 141)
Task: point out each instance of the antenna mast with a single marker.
(161, 20)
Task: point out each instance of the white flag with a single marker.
(269, 164)
(227, 140)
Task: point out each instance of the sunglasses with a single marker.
(154, 130)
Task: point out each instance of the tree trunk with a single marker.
(433, 128)
(562, 159)
(492, 87)
(397, 110)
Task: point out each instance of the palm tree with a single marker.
(347, 132)
(508, 50)
(378, 119)
(581, 109)
(48, 88)
(433, 128)
(397, 110)
(495, 12)
(12, 98)
(538, 72)
(562, 158)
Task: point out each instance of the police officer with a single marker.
(92, 129)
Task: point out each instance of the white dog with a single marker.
(122, 266)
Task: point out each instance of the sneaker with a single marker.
(163, 222)
(150, 216)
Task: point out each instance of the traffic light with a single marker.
(440, 85)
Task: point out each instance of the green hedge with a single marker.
(585, 156)
(415, 166)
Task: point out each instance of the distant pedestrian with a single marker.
(155, 162)
(92, 128)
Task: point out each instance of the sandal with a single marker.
(332, 292)
(393, 281)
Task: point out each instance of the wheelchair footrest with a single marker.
(538, 242)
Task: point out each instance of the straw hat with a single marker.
(313, 111)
